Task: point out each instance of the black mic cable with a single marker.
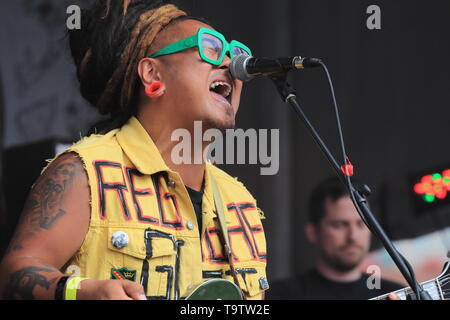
(418, 290)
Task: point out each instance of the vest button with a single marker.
(120, 239)
(190, 225)
(171, 183)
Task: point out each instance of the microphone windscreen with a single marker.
(238, 68)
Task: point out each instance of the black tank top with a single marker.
(196, 198)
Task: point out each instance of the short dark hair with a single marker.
(332, 189)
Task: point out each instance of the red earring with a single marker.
(155, 90)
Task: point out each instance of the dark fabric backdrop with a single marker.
(3, 220)
(392, 86)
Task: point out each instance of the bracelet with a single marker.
(60, 288)
(72, 287)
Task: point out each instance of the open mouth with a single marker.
(221, 90)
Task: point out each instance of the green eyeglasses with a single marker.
(211, 45)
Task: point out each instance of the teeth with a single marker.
(227, 92)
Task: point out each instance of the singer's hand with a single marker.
(110, 290)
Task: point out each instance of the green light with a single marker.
(436, 176)
(428, 197)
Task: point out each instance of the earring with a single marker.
(155, 90)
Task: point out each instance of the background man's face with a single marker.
(342, 237)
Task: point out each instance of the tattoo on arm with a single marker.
(43, 206)
(22, 282)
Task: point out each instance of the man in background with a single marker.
(342, 241)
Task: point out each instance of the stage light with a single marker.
(434, 186)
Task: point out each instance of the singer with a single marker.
(113, 217)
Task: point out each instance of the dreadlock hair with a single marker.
(114, 36)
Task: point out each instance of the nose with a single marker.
(352, 232)
(225, 63)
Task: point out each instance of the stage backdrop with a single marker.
(391, 85)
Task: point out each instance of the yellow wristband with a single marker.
(72, 287)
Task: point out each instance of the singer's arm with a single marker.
(52, 227)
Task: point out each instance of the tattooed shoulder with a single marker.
(44, 204)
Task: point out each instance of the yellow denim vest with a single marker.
(143, 225)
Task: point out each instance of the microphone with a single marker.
(246, 68)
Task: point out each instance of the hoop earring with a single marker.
(155, 90)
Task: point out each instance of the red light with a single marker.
(427, 179)
(418, 188)
(446, 173)
(441, 194)
(434, 186)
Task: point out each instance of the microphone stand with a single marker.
(288, 95)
